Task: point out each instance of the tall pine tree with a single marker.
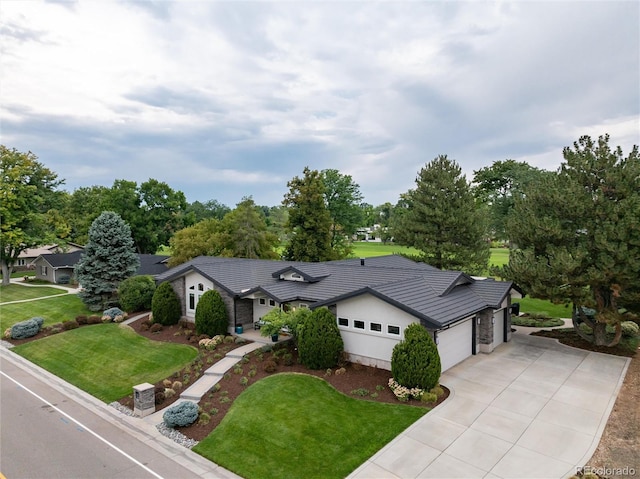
(442, 219)
(108, 259)
(309, 220)
(577, 235)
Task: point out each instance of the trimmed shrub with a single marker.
(69, 325)
(94, 319)
(165, 305)
(26, 329)
(415, 362)
(270, 366)
(211, 315)
(155, 328)
(113, 314)
(319, 342)
(630, 329)
(184, 414)
(136, 293)
(81, 319)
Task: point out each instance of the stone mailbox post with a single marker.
(144, 400)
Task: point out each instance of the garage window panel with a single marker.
(395, 330)
(343, 322)
(358, 324)
(375, 327)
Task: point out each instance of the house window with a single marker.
(393, 329)
(377, 327)
(272, 302)
(303, 305)
(343, 322)
(192, 301)
(200, 287)
(44, 270)
(263, 301)
(358, 324)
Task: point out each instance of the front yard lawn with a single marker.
(542, 306)
(106, 360)
(16, 292)
(55, 309)
(298, 426)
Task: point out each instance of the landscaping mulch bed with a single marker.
(569, 337)
(357, 381)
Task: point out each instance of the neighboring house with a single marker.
(27, 258)
(55, 267)
(374, 300)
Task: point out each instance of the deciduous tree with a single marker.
(577, 235)
(245, 233)
(27, 194)
(442, 219)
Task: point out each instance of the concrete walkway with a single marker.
(532, 408)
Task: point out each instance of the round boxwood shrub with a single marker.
(319, 342)
(184, 414)
(415, 362)
(136, 293)
(211, 315)
(27, 328)
(630, 329)
(165, 305)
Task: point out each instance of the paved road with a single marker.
(44, 433)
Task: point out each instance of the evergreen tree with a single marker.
(577, 235)
(320, 344)
(309, 221)
(109, 258)
(165, 305)
(443, 220)
(211, 315)
(415, 361)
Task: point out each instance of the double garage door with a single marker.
(455, 344)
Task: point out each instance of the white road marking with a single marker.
(116, 448)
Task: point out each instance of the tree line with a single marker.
(573, 233)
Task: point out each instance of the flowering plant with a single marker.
(404, 393)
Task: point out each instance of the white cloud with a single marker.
(247, 94)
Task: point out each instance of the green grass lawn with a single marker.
(106, 360)
(16, 292)
(542, 306)
(55, 309)
(298, 426)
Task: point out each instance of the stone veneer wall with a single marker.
(244, 312)
(485, 331)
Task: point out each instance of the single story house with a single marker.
(27, 258)
(57, 268)
(373, 299)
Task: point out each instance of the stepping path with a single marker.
(216, 372)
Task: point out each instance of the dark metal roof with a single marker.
(150, 264)
(437, 297)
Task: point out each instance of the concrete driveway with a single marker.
(533, 408)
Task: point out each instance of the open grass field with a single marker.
(16, 292)
(542, 306)
(299, 426)
(54, 309)
(106, 360)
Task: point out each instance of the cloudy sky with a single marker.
(225, 99)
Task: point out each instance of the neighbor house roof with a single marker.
(49, 249)
(150, 264)
(437, 297)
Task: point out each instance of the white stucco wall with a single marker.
(364, 345)
(194, 279)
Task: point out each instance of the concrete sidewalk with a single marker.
(533, 408)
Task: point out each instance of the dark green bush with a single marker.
(211, 315)
(319, 342)
(415, 362)
(184, 414)
(136, 293)
(165, 305)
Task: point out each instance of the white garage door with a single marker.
(455, 343)
(498, 328)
